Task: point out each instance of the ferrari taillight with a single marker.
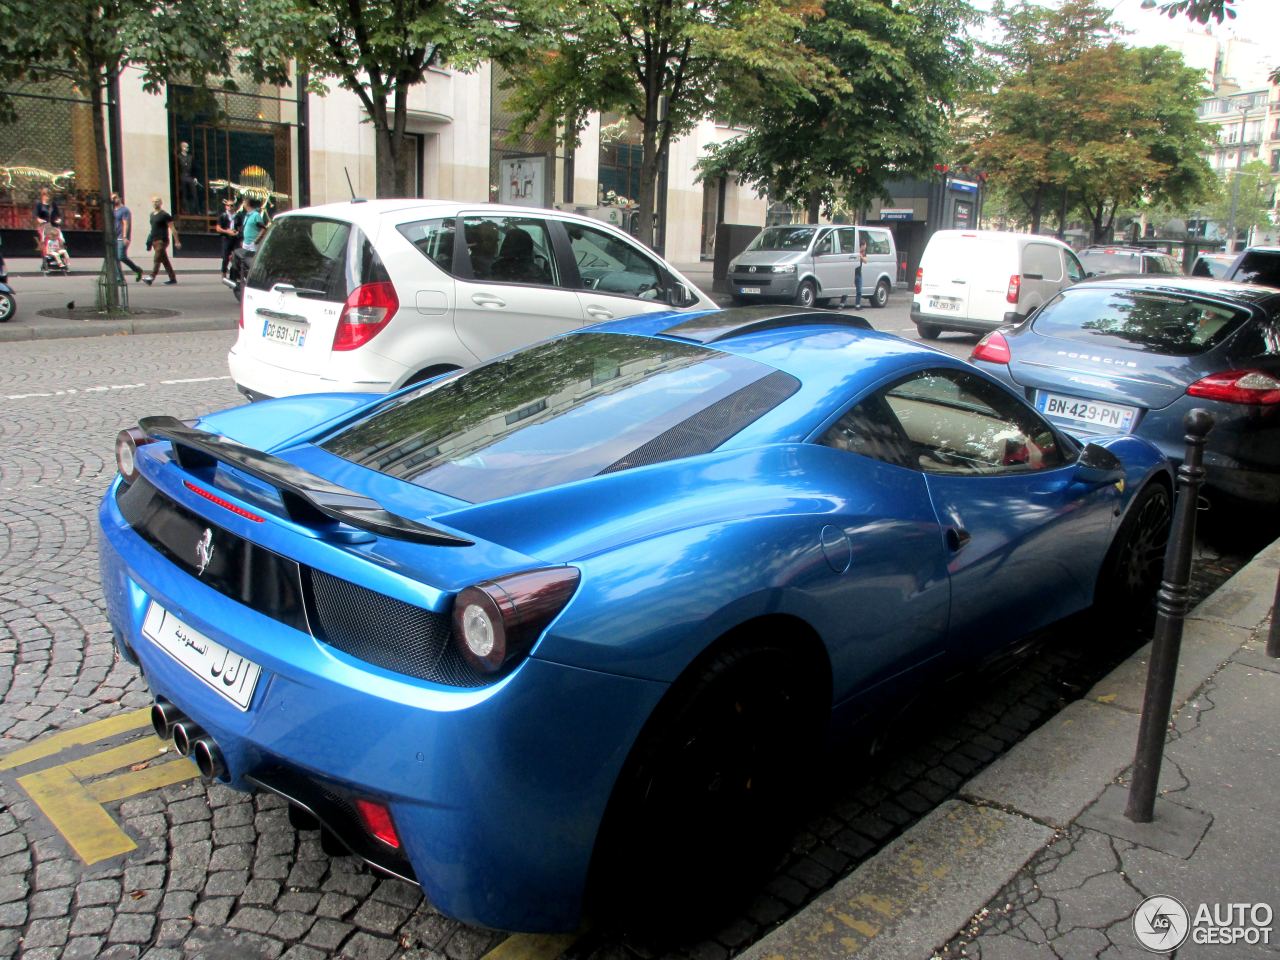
(498, 620)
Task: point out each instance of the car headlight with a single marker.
(784, 268)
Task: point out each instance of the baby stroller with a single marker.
(53, 253)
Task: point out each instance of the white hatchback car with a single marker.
(367, 296)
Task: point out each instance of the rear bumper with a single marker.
(257, 378)
(950, 321)
(496, 792)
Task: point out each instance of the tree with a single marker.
(901, 66)
(1244, 199)
(91, 41)
(664, 63)
(379, 50)
(1087, 122)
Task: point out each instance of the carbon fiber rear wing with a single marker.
(306, 497)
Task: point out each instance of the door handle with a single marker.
(487, 300)
(959, 281)
(957, 538)
(600, 313)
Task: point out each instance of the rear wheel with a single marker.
(928, 331)
(702, 807)
(881, 295)
(1131, 574)
(429, 373)
(806, 294)
(8, 306)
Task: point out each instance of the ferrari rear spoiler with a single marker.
(306, 497)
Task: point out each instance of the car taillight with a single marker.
(1238, 386)
(369, 308)
(498, 620)
(993, 348)
(127, 443)
(377, 820)
(1015, 284)
(241, 312)
(919, 279)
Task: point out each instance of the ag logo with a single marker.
(204, 552)
(1161, 924)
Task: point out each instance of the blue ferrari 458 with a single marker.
(570, 626)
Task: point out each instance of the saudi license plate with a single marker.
(947, 306)
(755, 290)
(1111, 416)
(281, 331)
(230, 675)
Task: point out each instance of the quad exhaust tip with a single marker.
(189, 739)
(164, 717)
(185, 735)
(208, 759)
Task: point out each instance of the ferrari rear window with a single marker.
(562, 411)
(1156, 322)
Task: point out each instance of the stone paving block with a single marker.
(1061, 768)
(327, 934)
(132, 928)
(92, 920)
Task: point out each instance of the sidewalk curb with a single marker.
(950, 864)
(18, 332)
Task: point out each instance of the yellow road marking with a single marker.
(71, 796)
(89, 733)
(532, 946)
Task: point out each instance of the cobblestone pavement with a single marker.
(216, 873)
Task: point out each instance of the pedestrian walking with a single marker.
(44, 213)
(163, 232)
(227, 228)
(124, 234)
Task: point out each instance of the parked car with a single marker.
(808, 263)
(1100, 261)
(582, 612)
(1215, 265)
(1136, 355)
(1257, 265)
(977, 280)
(370, 296)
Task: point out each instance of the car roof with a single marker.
(1113, 248)
(1243, 293)
(365, 213)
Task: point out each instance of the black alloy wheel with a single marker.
(1131, 576)
(806, 294)
(705, 803)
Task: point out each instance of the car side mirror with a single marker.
(681, 295)
(1098, 465)
(1089, 273)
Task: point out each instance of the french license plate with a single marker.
(230, 675)
(279, 331)
(1112, 416)
(952, 306)
(749, 290)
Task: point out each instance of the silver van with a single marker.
(808, 263)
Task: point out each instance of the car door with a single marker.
(832, 266)
(1042, 275)
(616, 278)
(1075, 270)
(508, 289)
(1025, 539)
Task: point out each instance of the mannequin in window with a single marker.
(189, 186)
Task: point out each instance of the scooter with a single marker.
(8, 302)
(238, 271)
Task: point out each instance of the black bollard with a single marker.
(1273, 636)
(1171, 611)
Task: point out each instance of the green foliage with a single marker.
(1250, 190)
(665, 63)
(1081, 118)
(900, 66)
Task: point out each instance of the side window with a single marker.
(877, 241)
(826, 244)
(870, 429)
(1154, 264)
(848, 239)
(1042, 260)
(957, 423)
(612, 265)
(1075, 272)
(433, 239)
(510, 250)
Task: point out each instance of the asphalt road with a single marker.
(204, 869)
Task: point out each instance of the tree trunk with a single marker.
(392, 169)
(814, 205)
(1036, 203)
(110, 266)
(650, 165)
(1062, 214)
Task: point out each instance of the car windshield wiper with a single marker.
(307, 498)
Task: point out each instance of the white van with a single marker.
(977, 280)
(807, 263)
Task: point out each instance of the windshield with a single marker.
(1160, 323)
(1259, 266)
(782, 238)
(1111, 261)
(560, 411)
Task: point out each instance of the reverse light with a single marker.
(993, 348)
(919, 279)
(497, 621)
(376, 818)
(368, 309)
(1238, 386)
(1015, 284)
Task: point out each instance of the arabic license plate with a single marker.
(950, 306)
(748, 289)
(281, 331)
(232, 676)
(1110, 416)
